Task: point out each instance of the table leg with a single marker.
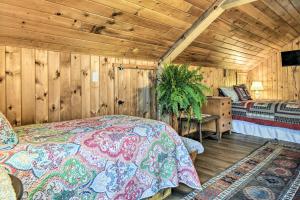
(180, 127)
(219, 136)
(200, 132)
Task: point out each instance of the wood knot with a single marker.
(131, 29)
(116, 13)
(85, 73)
(97, 29)
(106, 60)
(8, 73)
(45, 94)
(39, 98)
(53, 108)
(57, 74)
(37, 62)
(23, 22)
(9, 107)
(86, 14)
(58, 14)
(111, 22)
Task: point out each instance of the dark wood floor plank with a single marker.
(219, 156)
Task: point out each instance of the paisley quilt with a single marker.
(108, 157)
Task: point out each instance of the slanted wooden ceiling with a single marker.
(239, 38)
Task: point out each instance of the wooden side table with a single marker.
(205, 119)
(220, 106)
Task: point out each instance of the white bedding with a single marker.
(279, 133)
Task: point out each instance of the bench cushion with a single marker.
(192, 145)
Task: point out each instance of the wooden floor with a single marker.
(219, 156)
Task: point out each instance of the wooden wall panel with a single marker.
(279, 82)
(95, 86)
(54, 77)
(41, 81)
(76, 105)
(41, 85)
(2, 81)
(86, 86)
(107, 78)
(28, 86)
(13, 85)
(65, 86)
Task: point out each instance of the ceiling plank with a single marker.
(200, 25)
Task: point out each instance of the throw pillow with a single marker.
(8, 138)
(243, 96)
(246, 91)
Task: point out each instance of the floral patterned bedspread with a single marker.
(108, 157)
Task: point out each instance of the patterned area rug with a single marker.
(271, 172)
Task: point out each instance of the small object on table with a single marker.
(205, 119)
(17, 185)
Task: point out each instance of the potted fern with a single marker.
(180, 91)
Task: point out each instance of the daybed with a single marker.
(268, 119)
(264, 118)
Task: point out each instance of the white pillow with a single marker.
(230, 92)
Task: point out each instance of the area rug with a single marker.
(269, 173)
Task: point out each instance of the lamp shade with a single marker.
(257, 85)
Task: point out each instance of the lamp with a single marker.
(257, 86)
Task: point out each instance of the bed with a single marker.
(268, 118)
(108, 157)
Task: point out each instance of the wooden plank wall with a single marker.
(279, 82)
(38, 86)
(216, 77)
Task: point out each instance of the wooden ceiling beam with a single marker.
(234, 3)
(200, 25)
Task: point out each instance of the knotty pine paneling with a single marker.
(29, 89)
(38, 86)
(279, 82)
(41, 89)
(2, 81)
(216, 77)
(13, 84)
(54, 86)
